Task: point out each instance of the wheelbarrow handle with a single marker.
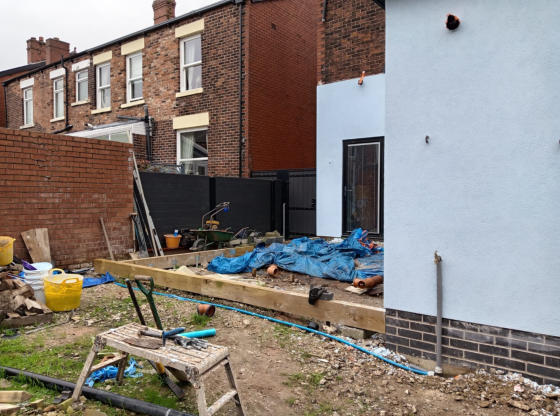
(138, 280)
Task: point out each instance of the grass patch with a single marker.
(154, 396)
(315, 378)
(64, 361)
(199, 321)
(282, 333)
(291, 401)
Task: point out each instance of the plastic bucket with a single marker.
(63, 291)
(34, 278)
(172, 241)
(6, 250)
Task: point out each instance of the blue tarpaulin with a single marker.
(94, 281)
(111, 372)
(313, 257)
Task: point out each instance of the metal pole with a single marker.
(439, 296)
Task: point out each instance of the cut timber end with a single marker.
(340, 312)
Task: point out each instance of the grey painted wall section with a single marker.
(485, 192)
(345, 110)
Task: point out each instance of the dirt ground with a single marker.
(279, 370)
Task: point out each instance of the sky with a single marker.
(82, 23)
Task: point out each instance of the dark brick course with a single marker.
(536, 356)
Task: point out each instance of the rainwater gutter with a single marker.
(111, 399)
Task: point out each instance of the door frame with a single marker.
(345, 143)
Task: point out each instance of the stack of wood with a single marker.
(18, 306)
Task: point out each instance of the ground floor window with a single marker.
(363, 185)
(192, 151)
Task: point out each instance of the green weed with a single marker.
(199, 320)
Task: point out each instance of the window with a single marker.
(192, 151)
(28, 106)
(134, 77)
(82, 85)
(58, 98)
(103, 85)
(191, 63)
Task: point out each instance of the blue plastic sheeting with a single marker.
(371, 265)
(303, 255)
(111, 372)
(94, 281)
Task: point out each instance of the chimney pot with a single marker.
(163, 10)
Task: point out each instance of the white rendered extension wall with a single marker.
(345, 110)
(485, 191)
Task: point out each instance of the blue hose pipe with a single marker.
(210, 332)
(294, 325)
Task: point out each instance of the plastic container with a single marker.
(172, 241)
(34, 278)
(6, 250)
(63, 291)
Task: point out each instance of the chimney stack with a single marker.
(35, 50)
(50, 51)
(163, 10)
(56, 49)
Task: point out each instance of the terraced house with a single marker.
(222, 90)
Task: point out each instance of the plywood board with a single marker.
(37, 243)
(345, 313)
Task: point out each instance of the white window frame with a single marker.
(129, 80)
(27, 118)
(185, 66)
(55, 94)
(78, 81)
(194, 159)
(99, 87)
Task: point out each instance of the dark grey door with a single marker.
(362, 196)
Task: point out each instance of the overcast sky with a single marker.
(82, 23)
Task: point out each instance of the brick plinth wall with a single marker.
(65, 184)
(536, 356)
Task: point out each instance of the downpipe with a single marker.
(111, 399)
(439, 295)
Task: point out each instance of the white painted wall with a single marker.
(345, 110)
(486, 191)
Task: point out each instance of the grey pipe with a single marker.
(439, 296)
(112, 399)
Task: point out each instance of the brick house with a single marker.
(223, 90)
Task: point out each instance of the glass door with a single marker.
(362, 196)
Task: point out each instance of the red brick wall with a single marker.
(66, 184)
(161, 76)
(281, 84)
(351, 40)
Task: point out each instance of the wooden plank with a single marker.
(341, 312)
(107, 239)
(8, 409)
(14, 396)
(26, 320)
(37, 243)
(190, 259)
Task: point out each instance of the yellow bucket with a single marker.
(63, 291)
(6, 250)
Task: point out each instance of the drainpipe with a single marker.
(5, 102)
(148, 126)
(240, 89)
(324, 16)
(437, 260)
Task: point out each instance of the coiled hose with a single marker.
(294, 325)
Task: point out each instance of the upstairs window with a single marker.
(58, 98)
(103, 85)
(192, 151)
(28, 106)
(191, 63)
(134, 77)
(82, 86)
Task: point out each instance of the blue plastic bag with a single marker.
(111, 372)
